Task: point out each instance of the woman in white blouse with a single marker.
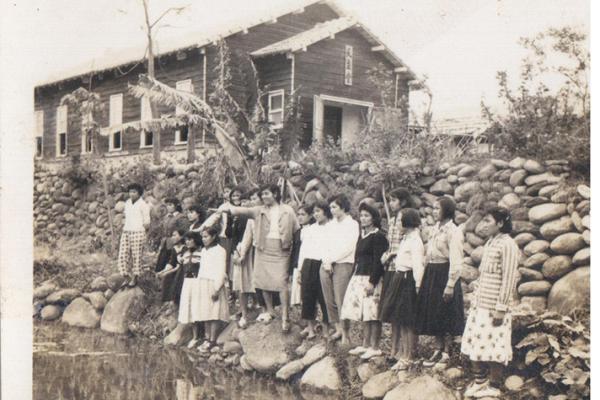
(399, 294)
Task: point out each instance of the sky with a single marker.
(458, 44)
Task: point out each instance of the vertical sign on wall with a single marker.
(348, 66)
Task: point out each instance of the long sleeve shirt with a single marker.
(411, 255)
(341, 243)
(313, 238)
(213, 262)
(136, 215)
(369, 249)
(446, 245)
(286, 223)
(498, 273)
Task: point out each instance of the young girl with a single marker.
(399, 294)
(174, 220)
(196, 215)
(440, 307)
(304, 219)
(172, 275)
(361, 302)
(399, 199)
(189, 305)
(487, 337)
(311, 292)
(212, 297)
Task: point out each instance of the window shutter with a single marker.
(61, 119)
(116, 109)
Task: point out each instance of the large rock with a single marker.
(571, 292)
(517, 178)
(50, 312)
(535, 247)
(473, 221)
(586, 236)
(467, 170)
(535, 303)
(379, 385)
(535, 288)
(547, 212)
(517, 163)
(99, 284)
(122, 309)
(524, 226)
(441, 187)
(544, 179)
(552, 229)
(423, 387)
(528, 274)
(466, 190)
(557, 266)
(233, 347)
(44, 290)
(533, 167)
(82, 314)
(567, 243)
(474, 240)
(115, 281)
(486, 172)
(323, 375)
(469, 273)
(314, 354)
(97, 299)
(266, 347)
(536, 261)
(523, 238)
(582, 257)
(477, 255)
(63, 296)
(584, 191)
(510, 201)
(549, 190)
(230, 333)
(181, 335)
(577, 222)
(289, 369)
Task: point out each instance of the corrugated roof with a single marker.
(304, 39)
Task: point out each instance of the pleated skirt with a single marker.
(398, 298)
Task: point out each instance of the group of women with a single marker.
(351, 269)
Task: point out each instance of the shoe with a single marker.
(487, 391)
(125, 282)
(357, 350)
(473, 388)
(370, 353)
(192, 343)
(264, 317)
(133, 282)
(438, 356)
(285, 326)
(335, 336)
(205, 347)
(401, 365)
(242, 323)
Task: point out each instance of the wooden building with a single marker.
(315, 52)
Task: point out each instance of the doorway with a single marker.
(332, 123)
(339, 119)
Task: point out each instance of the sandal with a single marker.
(285, 326)
(133, 282)
(242, 323)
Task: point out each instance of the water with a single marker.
(71, 363)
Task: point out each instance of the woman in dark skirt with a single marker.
(175, 219)
(172, 275)
(440, 307)
(399, 293)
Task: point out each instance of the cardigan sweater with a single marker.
(369, 250)
(287, 224)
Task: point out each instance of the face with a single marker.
(255, 200)
(395, 204)
(189, 243)
(236, 198)
(267, 197)
(176, 236)
(192, 215)
(303, 217)
(336, 210)
(170, 208)
(319, 215)
(437, 212)
(207, 238)
(245, 203)
(134, 195)
(187, 203)
(226, 193)
(489, 226)
(366, 219)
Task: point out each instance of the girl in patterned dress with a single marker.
(487, 337)
(361, 301)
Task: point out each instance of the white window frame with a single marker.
(62, 114)
(115, 118)
(39, 132)
(143, 144)
(275, 93)
(185, 86)
(145, 115)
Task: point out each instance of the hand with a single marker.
(236, 258)
(497, 318)
(385, 257)
(327, 266)
(215, 296)
(370, 289)
(448, 294)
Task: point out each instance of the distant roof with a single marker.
(465, 126)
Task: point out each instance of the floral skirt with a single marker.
(482, 341)
(357, 306)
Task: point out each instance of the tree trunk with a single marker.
(153, 111)
(191, 144)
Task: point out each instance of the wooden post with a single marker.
(191, 144)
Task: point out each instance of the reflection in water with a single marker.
(71, 363)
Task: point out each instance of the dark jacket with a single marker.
(367, 258)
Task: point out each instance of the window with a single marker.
(86, 136)
(146, 137)
(181, 134)
(61, 131)
(348, 65)
(115, 118)
(39, 133)
(276, 109)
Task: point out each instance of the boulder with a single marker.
(120, 206)
(586, 222)
(108, 293)
(426, 181)
(535, 303)
(544, 179)
(582, 257)
(229, 334)
(473, 221)
(289, 369)
(378, 385)
(514, 383)
(452, 178)
(523, 238)
(44, 290)
(123, 308)
(571, 292)
(536, 261)
(474, 240)
(96, 299)
(586, 236)
(557, 227)
(50, 312)
(82, 314)
(510, 201)
(469, 273)
(577, 222)
(244, 364)
(520, 214)
(466, 190)
(533, 167)
(232, 347)
(467, 170)
(500, 164)
(63, 296)
(557, 266)
(535, 247)
(477, 255)
(181, 335)
(583, 207)
(561, 196)
(266, 346)
(115, 281)
(429, 199)
(567, 243)
(441, 187)
(323, 375)
(422, 387)
(548, 191)
(524, 226)
(532, 201)
(314, 354)
(535, 288)
(528, 274)
(517, 163)
(547, 212)
(486, 172)
(365, 371)
(584, 191)
(99, 284)
(517, 178)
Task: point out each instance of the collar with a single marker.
(362, 235)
